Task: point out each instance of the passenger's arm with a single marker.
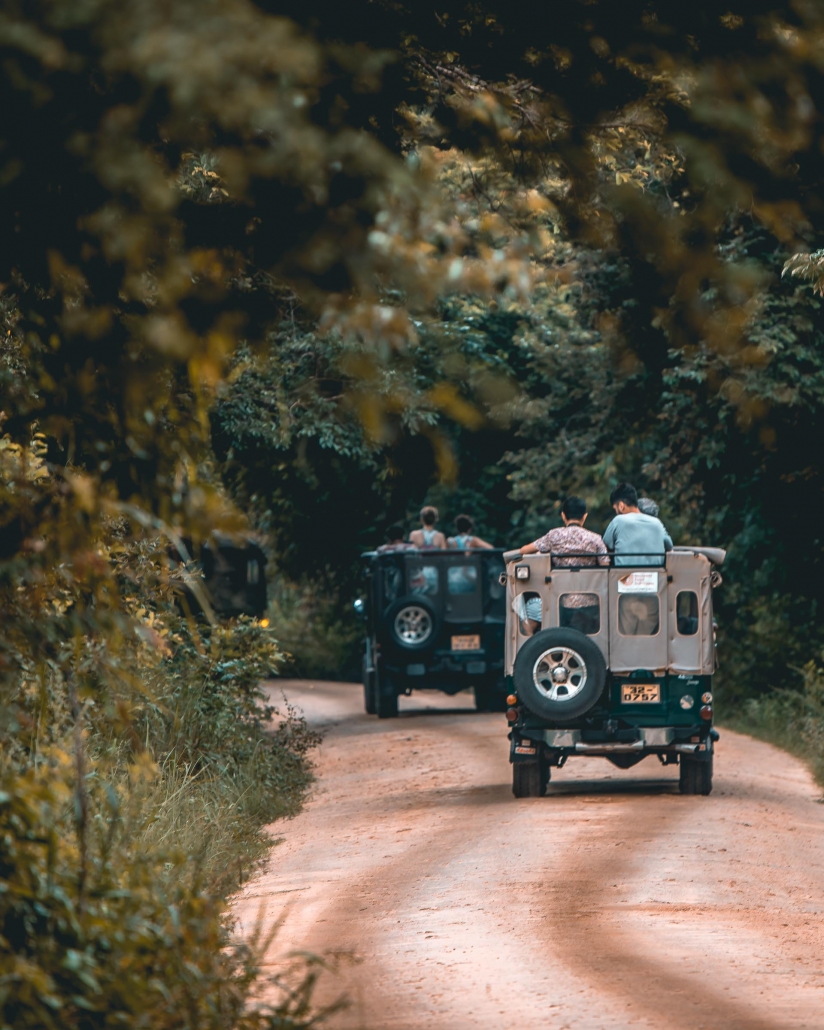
(529, 549)
(477, 542)
(609, 536)
(667, 541)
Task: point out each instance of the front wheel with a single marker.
(369, 679)
(529, 779)
(695, 777)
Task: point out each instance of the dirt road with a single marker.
(613, 902)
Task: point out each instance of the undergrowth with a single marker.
(140, 767)
(792, 719)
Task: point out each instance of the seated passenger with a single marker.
(647, 506)
(428, 538)
(570, 546)
(635, 538)
(464, 538)
(394, 541)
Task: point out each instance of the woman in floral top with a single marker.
(578, 611)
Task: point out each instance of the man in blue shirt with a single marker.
(635, 538)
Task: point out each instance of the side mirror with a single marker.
(360, 607)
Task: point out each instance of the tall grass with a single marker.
(790, 719)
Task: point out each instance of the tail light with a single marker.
(512, 715)
(706, 712)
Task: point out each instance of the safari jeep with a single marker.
(621, 666)
(435, 620)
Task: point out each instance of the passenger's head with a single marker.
(648, 507)
(464, 524)
(574, 509)
(394, 534)
(624, 498)
(429, 515)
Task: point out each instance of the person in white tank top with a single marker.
(465, 538)
(427, 538)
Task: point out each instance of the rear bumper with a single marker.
(654, 740)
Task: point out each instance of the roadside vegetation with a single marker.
(305, 271)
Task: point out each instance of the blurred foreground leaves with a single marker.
(370, 253)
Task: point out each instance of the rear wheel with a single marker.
(529, 779)
(386, 696)
(695, 777)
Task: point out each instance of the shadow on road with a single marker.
(607, 787)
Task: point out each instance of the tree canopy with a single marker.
(308, 265)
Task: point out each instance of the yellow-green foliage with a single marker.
(136, 949)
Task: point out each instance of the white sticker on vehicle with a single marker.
(638, 583)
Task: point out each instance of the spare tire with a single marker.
(412, 623)
(559, 674)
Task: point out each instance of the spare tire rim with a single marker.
(413, 625)
(560, 673)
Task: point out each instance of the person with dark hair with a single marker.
(633, 537)
(427, 538)
(465, 538)
(571, 546)
(395, 541)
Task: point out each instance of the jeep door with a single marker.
(578, 599)
(637, 619)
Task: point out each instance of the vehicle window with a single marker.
(638, 615)
(581, 612)
(527, 606)
(686, 613)
(462, 579)
(392, 582)
(423, 579)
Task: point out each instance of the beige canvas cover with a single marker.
(690, 571)
(666, 650)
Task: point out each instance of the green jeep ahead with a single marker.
(621, 666)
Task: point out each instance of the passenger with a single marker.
(635, 538)
(465, 539)
(428, 538)
(578, 611)
(647, 506)
(395, 541)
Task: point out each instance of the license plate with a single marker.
(470, 642)
(640, 693)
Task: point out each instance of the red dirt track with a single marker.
(613, 902)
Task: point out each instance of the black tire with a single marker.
(529, 779)
(386, 696)
(490, 695)
(369, 701)
(578, 683)
(412, 624)
(695, 777)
